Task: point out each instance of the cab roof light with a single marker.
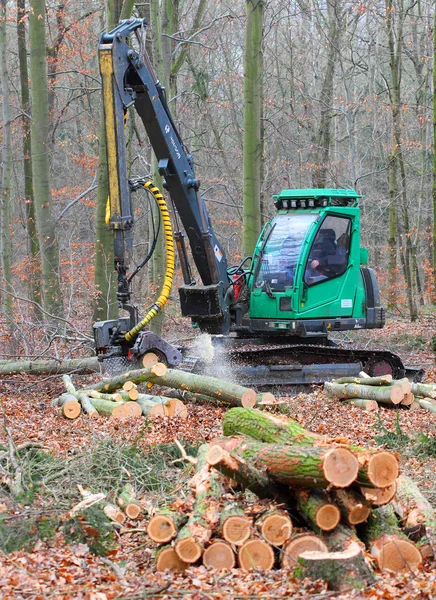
(293, 204)
(311, 203)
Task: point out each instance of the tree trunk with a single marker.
(354, 508)
(5, 191)
(45, 223)
(384, 394)
(252, 143)
(27, 154)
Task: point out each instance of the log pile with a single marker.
(370, 392)
(120, 396)
(312, 494)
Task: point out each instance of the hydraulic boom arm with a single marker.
(129, 80)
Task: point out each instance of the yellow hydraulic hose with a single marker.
(169, 269)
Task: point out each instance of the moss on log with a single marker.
(283, 464)
(378, 469)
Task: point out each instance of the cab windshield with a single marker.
(280, 254)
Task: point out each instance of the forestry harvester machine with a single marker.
(272, 313)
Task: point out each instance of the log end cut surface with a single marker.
(358, 514)
(340, 467)
(236, 530)
(328, 517)
(396, 554)
(219, 555)
(161, 529)
(132, 409)
(188, 550)
(276, 529)
(149, 360)
(159, 410)
(341, 570)
(133, 511)
(379, 496)
(168, 559)
(71, 409)
(299, 544)
(176, 408)
(248, 399)
(383, 469)
(256, 554)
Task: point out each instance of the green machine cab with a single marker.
(309, 273)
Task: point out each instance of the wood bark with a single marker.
(342, 569)
(45, 223)
(42, 367)
(369, 405)
(112, 384)
(376, 468)
(243, 459)
(384, 394)
(424, 389)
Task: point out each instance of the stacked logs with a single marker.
(120, 397)
(315, 495)
(370, 392)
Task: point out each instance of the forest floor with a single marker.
(45, 561)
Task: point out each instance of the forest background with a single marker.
(344, 94)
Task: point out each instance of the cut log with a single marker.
(427, 403)
(133, 394)
(318, 509)
(299, 543)
(176, 408)
(129, 385)
(408, 399)
(380, 380)
(47, 367)
(289, 465)
(417, 515)
(404, 383)
(87, 405)
(369, 405)
(219, 555)
(132, 409)
(354, 507)
(166, 558)
(149, 360)
(341, 570)
(383, 394)
(70, 408)
(191, 539)
(414, 405)
(114, 514)
(376, 468)
(256, 554)
(164, 526)
(235, 526)
(379, 496)
(424, 389)
(102, 396)
(154, 410)
(388, 544)
(105, 407)
(112, 384)
(128, 502)
(275, 527)
(224, 391)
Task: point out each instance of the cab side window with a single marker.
(328, 256)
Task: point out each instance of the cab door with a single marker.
(330, 268)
